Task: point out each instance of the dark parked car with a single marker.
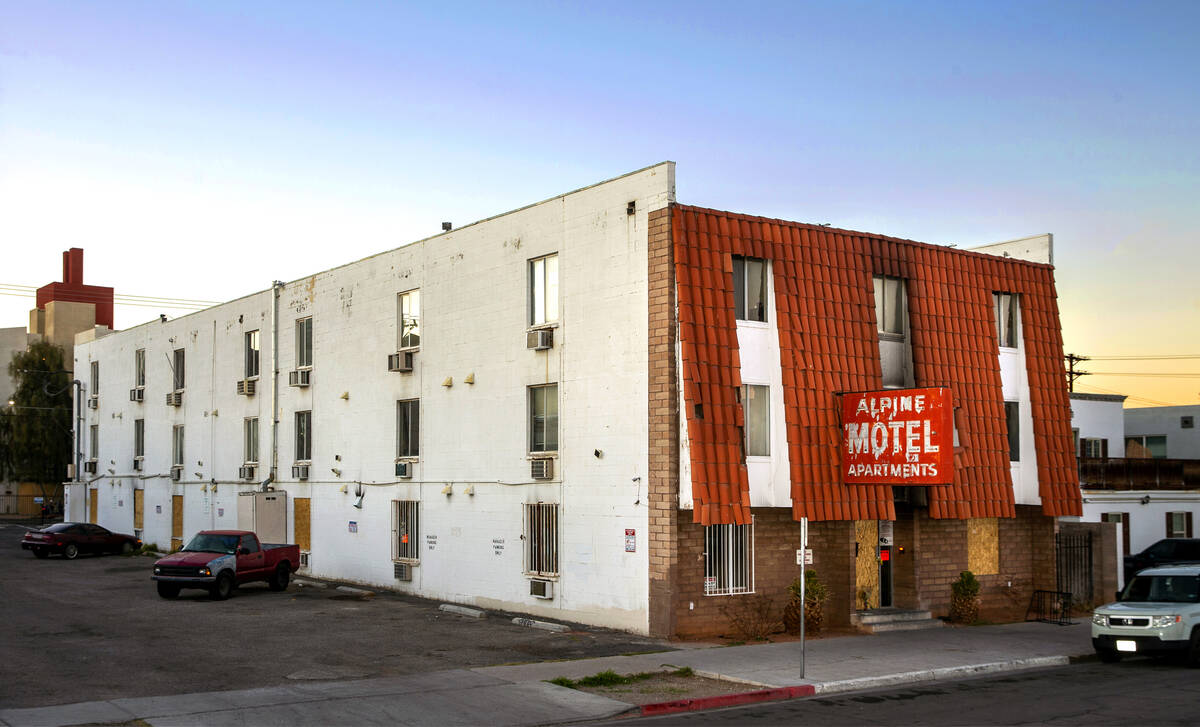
(1168, 551)
(71, 539)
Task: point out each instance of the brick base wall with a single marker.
(934, 553)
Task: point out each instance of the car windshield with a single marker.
(212, 543)
(1165, 589)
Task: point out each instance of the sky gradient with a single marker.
(202, 150)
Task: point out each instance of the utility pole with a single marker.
(1072, 374)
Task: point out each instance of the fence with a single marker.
(29, 507)
(1127, 473)
(1073, 562)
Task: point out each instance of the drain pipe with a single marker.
(276, 287)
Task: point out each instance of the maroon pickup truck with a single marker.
(221, 560)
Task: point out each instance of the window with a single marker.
(756, 406)
(749, 288)
(1187, 422)
(250, 543)
(541, 539)
(1012, 420)
(406, 530)
(94, 438)
(889, 305)
(410, 319)
(1139, 446)
(543, 290)
(408, 428)
(139, 438)
(139, 368)
(1093, 447)
(1179, 525)
(177, 374)
(304, 348)
(303, 436)
(543, 418)
(1006, 319)
(252, 354)
(1123, 519)
(728, 559)
(250, 440)
(95, 378)
(177, 446)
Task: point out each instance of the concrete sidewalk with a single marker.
(518, 695)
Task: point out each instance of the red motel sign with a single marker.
(898, 437)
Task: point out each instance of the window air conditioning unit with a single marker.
(304, 558)
(401, 362)
(404, 470)
(246, 472)
(541, 589)
(300, 471)
(137, 465)
(245, 387)
(175, 398)
(300, 377)
(402, 571)
(541, 469)
(540, 340)
(138, 394)
(93, 401)
(177, 473)
(90, 466)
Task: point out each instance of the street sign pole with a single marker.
(803, 559)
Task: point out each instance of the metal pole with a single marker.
(803, 560)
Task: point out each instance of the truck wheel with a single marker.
(70, 551)
(126, 548)
(40, 553)
(223, 587)
(1194, 649)
(279, 581)
(1108, 656)
(167, 590)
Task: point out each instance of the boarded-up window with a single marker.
(983, 546)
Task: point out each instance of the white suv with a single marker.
(1157, 614)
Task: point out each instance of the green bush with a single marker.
(967, 585)
(815, 590)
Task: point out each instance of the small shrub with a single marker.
(752, 617)
(563, 682)
(815, 595)
(964, 598)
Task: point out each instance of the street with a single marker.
(94, 628)
(1134, 692)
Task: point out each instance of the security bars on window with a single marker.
(406, 530)
(541, 539)
(728, 559)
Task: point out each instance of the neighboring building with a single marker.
(1163, 431)
(1139, 468)
(63, 310)
(608, 408)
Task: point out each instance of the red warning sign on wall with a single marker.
(898, 436)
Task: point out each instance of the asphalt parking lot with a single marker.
(94, 628)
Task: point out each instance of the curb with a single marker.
(727, 700)
(925, 675)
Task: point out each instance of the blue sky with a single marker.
(201, 150)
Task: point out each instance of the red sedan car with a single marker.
(71, 539)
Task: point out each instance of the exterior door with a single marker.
(886, 544)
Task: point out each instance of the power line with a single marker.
(181, 306)
(31, 290)
(1165, 357)
(1128, 396)
(1147, 375)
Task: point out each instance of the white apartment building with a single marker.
(463, 417)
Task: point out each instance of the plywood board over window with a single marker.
(93, 503)
(983, 545)
(176, 522)
(139, 509)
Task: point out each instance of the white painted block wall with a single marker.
(473, 284)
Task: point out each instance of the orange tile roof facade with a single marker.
(828, 341)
